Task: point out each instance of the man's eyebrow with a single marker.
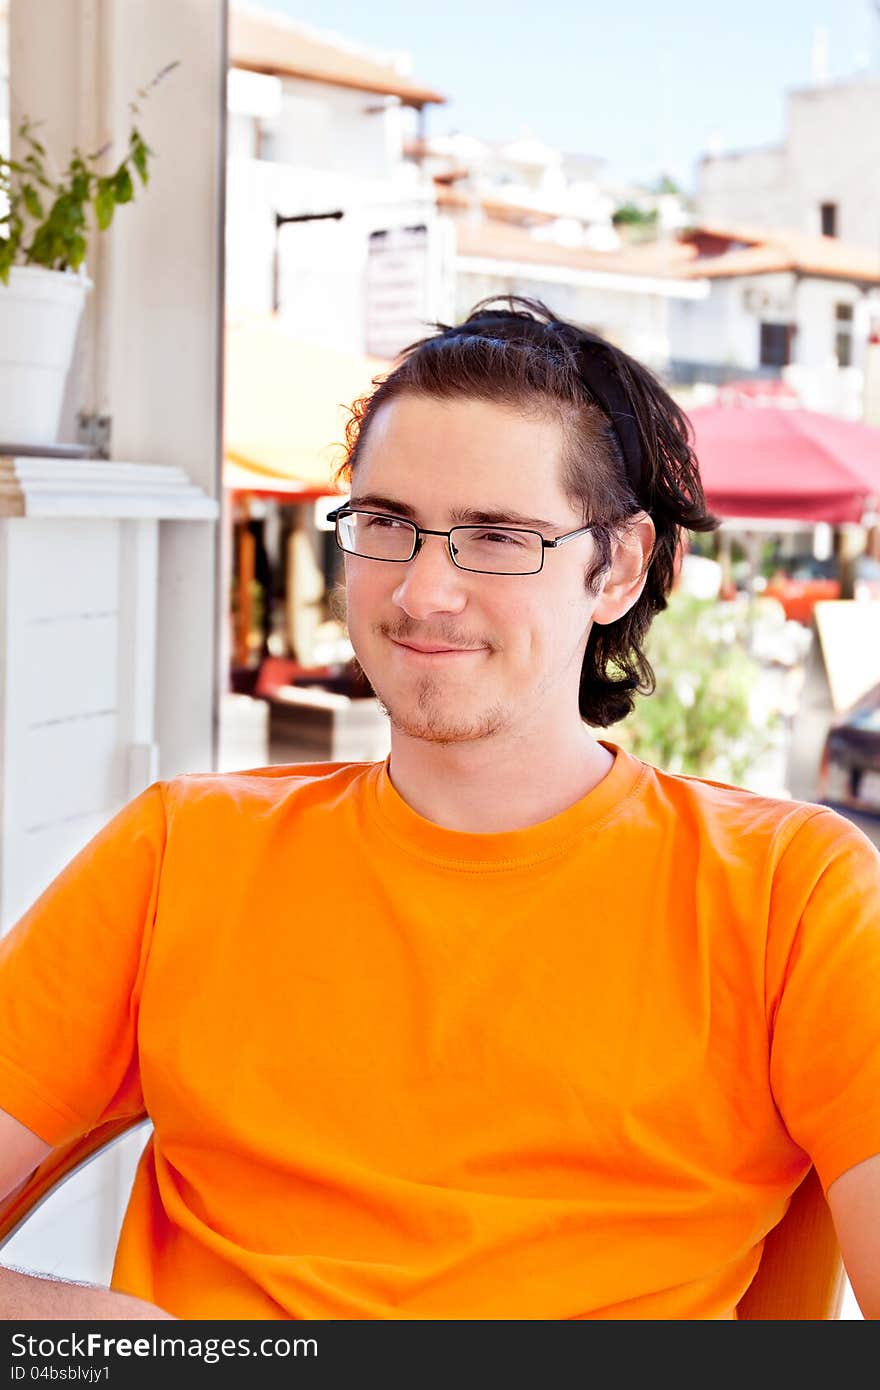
(461, 516)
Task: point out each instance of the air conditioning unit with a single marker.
(764, 304)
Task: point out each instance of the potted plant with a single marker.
(44, 242)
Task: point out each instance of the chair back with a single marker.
(801, 1276)
(58, 1165)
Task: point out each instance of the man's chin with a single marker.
(435, 727)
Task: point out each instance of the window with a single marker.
(843, 334)
(828, 214)
(776, 344)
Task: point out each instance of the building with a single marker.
(820, 181)
(780, 303)
(531, 220)
(327, 223)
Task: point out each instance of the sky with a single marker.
(647, 86)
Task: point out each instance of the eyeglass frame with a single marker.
(420, 531)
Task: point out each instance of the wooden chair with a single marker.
(801, 1275)
(800, 1278)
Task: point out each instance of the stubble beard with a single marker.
(425, 718)
(421, 713)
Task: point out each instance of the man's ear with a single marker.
(631, 554)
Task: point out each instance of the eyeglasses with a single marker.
(481, 549)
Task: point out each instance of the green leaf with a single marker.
(58, 211)
(32, 202)
(77, 252)
(44, 249)
(105, 204)
(59, 237)
(139, 156)
(122, 187)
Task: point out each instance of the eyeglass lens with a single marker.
(486, 549)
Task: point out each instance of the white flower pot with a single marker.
(40, 312)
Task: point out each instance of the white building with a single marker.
(780, 304)
(316, 135)
(623, 294)
(822, 180)
(534, 221)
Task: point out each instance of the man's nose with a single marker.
(430, 582)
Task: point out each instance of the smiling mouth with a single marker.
(437, 651)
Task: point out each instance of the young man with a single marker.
(510, 1025)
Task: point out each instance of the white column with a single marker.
(150, 353)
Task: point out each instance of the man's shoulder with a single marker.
(729, 811)
(264, 786)
(726, 809)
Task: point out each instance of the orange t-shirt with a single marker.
(401, 1071)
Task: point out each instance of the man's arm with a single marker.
(25, 1296)
(854, 1199)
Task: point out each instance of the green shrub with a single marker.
(705, 717)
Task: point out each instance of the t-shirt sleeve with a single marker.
(824, 992)
(71, 972)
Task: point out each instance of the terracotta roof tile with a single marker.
(497, 209)
(281, 47)
(497, 240)
(782, 248)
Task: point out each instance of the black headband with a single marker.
(601, 378)
(598, 373)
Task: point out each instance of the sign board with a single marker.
(849, 638)
(397, 289)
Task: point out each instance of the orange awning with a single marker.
(285, 408)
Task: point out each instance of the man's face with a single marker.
(518, 640)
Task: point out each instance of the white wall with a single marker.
(815, 373)
(4, 77)
(831, 154)
(834, 155)
(747, 186)
(724, 330)
(301, 147)
(150, 347)
(338, 130)
(716, 330)
(637, 322)
(815, 342)
(322, 264)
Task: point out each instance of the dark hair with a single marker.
(616, 462)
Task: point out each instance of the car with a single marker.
(849, 770)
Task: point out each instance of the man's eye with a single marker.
(500, 537)
(384, 523)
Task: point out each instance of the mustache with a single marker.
(444, 637)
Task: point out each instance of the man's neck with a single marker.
(483, 788)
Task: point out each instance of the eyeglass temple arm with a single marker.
(560, 540)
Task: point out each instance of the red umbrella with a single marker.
(792, 465)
